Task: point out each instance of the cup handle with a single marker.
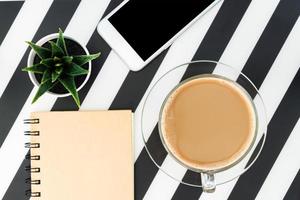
(208, 182)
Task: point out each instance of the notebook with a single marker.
(81, 155)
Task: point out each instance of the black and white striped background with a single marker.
(259, 37)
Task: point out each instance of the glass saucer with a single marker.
(150, 117)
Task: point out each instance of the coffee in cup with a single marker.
(208, 123)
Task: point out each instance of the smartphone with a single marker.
(138, 30)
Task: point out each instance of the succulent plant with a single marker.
(58, 67)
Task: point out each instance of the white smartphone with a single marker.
(138, 30)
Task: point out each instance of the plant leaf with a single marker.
(56, 50)
(61, 41)
(59, 70)
(44, 87)
(69, 83)
(67, 59)
(49, 62)
(37, 68)
(58, 64)
(75, 70)
(56, 59)
(46, 76)
(83, 59)
(54, 76)
(42, 52)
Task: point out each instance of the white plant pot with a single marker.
(32, 55)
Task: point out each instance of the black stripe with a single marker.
(8, 13)
(18, 187)
(278, 28)
(95, 44)
(112, 5)
(262, 59)
(130, 92)
(212, 48)
(135, 85)
(129, 96)
(19, 86)
(221, 30)
(183, 190)
(294, 191)
(13, 98)
(271, 41)
(144, 168)
(59, 15)
(279, 129)
(158, 152)
(267, 39)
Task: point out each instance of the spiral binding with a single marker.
(30, 169)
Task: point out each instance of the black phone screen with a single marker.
(148, 24)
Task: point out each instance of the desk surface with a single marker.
(260, 38)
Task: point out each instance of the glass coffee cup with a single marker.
(161, 152)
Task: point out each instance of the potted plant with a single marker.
(59, 65)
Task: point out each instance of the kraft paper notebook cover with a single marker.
(81, 155)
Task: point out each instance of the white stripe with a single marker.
(278, 179)
(284, 169)
(240, 46)
(284, 69)
(12, 150)
(163, 186)
(182, 51)
(107, 84)
(23, 29)
(85, 19)
(287, 63)
(248, 33)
